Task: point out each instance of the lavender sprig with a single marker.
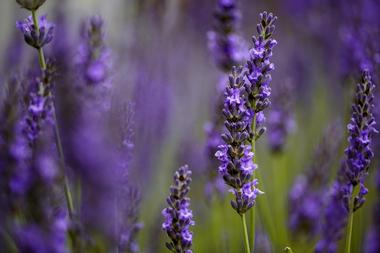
(178, 216)
(236, 154)
(348, 192)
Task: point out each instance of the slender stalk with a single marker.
(246, 239)
(42, 63)
(253, 212)
(350, 225)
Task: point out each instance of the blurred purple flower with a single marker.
(227, 47)
(34, 38)
(307, 197)
(94, 58)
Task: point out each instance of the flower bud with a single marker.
(31, 5)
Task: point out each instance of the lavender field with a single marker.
(152, 126)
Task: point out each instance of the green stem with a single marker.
(42, 62)
(350, 225)
(246, 239)
(253, 212)
(288, 250)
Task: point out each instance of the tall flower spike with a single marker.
(259, 65)
(34, 38)
(31, 5)
(353, 169)
(225, 44)
(236, 153)
(178, 216)
(361, 129)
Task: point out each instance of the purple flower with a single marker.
(93, 58)
(259, 65)
(31, 5)
(281, 119)
(361, 129)
(307, 197)
(33, 37)
(353, 169)
(235, 155)
(178, 216)
(227, 47)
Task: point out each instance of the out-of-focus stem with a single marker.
(41, 57)
(246, 239)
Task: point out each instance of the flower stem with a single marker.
(350, 224)
(246, 239)
(42, 63)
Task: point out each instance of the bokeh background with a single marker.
(162, 64)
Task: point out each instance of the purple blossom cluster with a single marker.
(227, 47)
(178, 215)
(236, 154)
(36, 37)
(93, 58)
(354, 168)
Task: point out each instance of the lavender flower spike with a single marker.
(344, 200)
(178, 216)
(36, 37)
(236, 154)
(361, 128)
(259, 65)
(226, 46)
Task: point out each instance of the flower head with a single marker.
(31, 5)
(178, 215)
(36, 37)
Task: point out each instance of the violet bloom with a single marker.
(354, 168)
(281, 120)
(94, 57)
(225, 44)
(178, 216)
(236, 154)
(259, 65)
(34, 38)
(40, 105)
(308, 195)
(361, 129)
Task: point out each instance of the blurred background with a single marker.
(162, 64)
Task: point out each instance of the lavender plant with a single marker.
(178, 216)
(246, 96)
(348, 192)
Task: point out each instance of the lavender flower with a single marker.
(308, 195)
(361, 129)
(353, 169)
(259, 65)
(236, 154)
(33, 37)
(94, 57)
(31, 5)
(281, 119)
(178, 216)
(226, 46)
(40, 105)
